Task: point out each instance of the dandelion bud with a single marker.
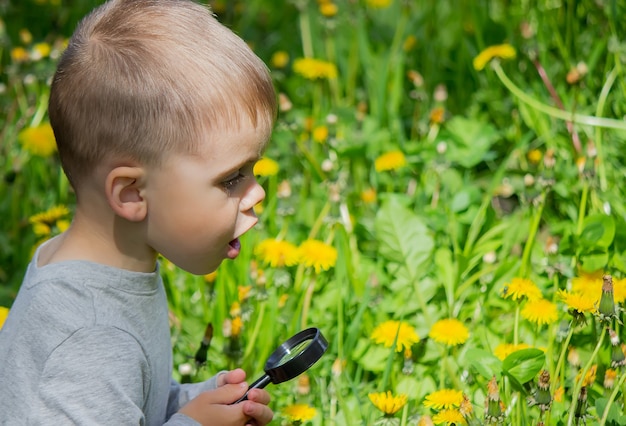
(581, 404)
(425, 421)
(441, 93)
(529, 180)
(606, 311)
(548, 159)
(573, 357)
(304, 385)
(465, 408)
(284, 103)
(284, 189)
(494, 412)
(542, 396)
(617, 356)
(609, 378)
(442, 147)
(613, 337)
(337, 367)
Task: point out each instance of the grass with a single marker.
(510, 174)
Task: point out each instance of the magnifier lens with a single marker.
(292, 358)
(294, 352)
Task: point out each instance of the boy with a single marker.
(160, 114)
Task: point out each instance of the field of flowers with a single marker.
(445, 201)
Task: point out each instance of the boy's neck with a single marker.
(105, 239)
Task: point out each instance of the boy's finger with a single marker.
(261, 413)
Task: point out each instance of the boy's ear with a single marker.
(123, 188)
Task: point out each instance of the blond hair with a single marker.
(141, 78)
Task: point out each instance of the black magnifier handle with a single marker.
(258, 384)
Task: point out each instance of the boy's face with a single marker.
(199, 205)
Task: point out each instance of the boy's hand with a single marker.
(212, 407)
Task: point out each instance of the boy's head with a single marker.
(141, 79)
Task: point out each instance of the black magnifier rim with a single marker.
(299, 363)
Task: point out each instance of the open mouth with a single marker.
(234, 247)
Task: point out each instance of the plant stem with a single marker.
(604, 93)
(559, 364)
(583, 373)
(616, 389)
(534, 226)
(608, 123)
(516, 325)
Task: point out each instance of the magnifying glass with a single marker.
(293, 357)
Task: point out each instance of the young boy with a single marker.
(160, 114)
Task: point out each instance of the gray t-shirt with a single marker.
(89, 344)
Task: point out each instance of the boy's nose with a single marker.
(253, 196)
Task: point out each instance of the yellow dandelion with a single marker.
(504, 51)
(210, 277)
(41, 229)
(386, 332)
(437, 115)
(409, 43)
(38, 140)
(63, 225)
(317, 255)
(449, 331)
(41, 50)
(519, 288)
(26, 36)
(388, 403)
(320, 134)
(243, 292)
(328, 9)
(277, 253)
(236, 325)
(589, 284)
(444, 398)
(282, 300)
(368, 196)
(299, 412)
(534, 156)
(391, 160)
(505, 349)
(314, 69)
(590, 376)
(378, 4)
(19, 54)
(50, 216)
(280, 59)
(577, 301)
(266, 167)
(558, 394)
(449, 417)
(619, 290)
(425, 421)
(540, 311)
(235, 309)
(4, 313)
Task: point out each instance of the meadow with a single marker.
(445, 189)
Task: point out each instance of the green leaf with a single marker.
(524, 365)
(470, 141)
(598, 231)
(614, 417)
(374, 358)
(485, 363)
(403, 237)
(592, 262)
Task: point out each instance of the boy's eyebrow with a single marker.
(250, 160)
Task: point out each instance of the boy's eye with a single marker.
(233, 181)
